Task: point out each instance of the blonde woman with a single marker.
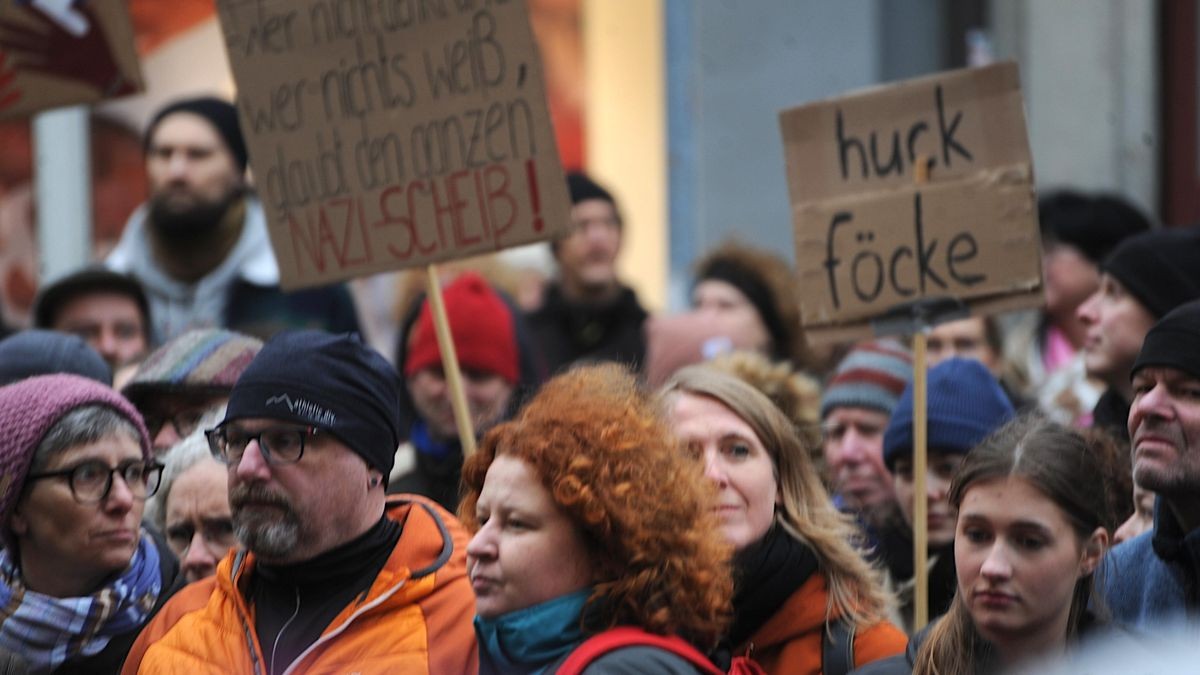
(798, 579)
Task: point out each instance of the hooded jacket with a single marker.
(242, 293)
(790, 642)
(415, 617)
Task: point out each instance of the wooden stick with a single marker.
(920, 460)
(920, 503)
(458, 399)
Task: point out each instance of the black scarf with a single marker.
(766, 574)
(295, 603)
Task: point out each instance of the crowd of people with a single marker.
(202, 473)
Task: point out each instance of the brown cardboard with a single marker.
(44, 65)
(385, 136)
(863, 242)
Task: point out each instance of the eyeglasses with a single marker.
(91, 481)
(278, 445)
(185, 422)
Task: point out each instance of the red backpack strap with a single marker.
(627, 636)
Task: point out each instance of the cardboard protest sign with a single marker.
(869, 241)
(62, 52)
(388, 135)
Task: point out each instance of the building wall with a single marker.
(1089, 71)
(731, 68)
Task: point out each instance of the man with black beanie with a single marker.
(1157, 574)
(200, 246)
(587, 314)
(1145, 277)
(334, 573)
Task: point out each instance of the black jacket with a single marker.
(567, 332)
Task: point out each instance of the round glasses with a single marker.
(92, 480)
(278, 445)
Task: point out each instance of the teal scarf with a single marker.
(528, 640)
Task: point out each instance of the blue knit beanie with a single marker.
(965, 403)
(333, 382)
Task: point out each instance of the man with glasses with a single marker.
(185, 378)
(335, 576)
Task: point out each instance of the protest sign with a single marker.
(871, 241)
(385, 135)
(62, 52)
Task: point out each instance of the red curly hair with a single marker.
(612, 466)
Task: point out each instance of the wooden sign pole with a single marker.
(458, 399)
(920, 455)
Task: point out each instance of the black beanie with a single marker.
(221, 114)
(333, 382)
(1172, 342)
(1160, 268)
(583, 188)
(1094, 224)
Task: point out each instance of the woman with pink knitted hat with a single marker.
(78, 575)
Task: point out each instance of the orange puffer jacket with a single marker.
(790, 642)
(415, 618)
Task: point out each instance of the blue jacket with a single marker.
(1153, 576)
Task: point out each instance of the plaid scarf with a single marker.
(48, 631)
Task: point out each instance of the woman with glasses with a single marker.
(78, 575)
(191, 506)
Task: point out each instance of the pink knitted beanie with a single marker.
(29, 408)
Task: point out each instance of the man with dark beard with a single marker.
(336, 577)
(200, 246)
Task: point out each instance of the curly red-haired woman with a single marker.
(587, 518)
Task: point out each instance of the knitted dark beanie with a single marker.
(332, 382)
(583, 188)
(1160, 268)
(222, 115)
(1094, 224)
(964, 404)
(29, 408)
(1173, 341)
(481, 325)
(46, 352)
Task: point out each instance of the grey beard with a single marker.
(193, 223)
(268, 539)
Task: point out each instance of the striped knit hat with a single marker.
(29, 408)
(871, 376)
(206, 361)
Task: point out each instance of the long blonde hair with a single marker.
(806, 511)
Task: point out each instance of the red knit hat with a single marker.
(482, 326)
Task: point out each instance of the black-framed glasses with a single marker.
(185, 422)
(278, 445)
(92, 480)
